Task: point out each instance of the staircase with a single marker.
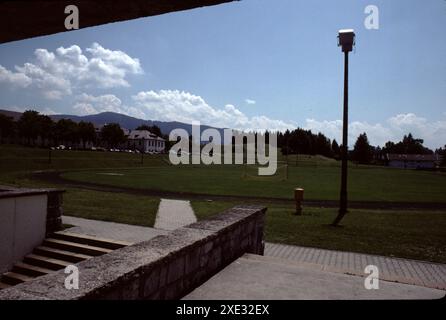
(56, 252)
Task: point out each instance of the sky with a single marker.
(250, 64)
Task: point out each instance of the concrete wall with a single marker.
(22, 226)
(165, 267)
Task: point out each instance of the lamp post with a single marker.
(346, 40)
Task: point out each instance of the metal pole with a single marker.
(344, 151)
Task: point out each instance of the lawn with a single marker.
(319, 176)
(17, 161)
(115, 207)
(407, 234)
(368, 183)
(417, 235)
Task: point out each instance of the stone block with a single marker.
(175, 269)
(151, 282)
(192, 260)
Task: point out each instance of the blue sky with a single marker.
(253, 64)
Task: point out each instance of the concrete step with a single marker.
(60, 254)
(30, 270)
(75, 247)
(14, 278)
(45, 262)
(57, 252)
(90, 240)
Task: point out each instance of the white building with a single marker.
(413, 161)
(146, 141)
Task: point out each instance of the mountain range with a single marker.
(123, 120)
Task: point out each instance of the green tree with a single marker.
(45, 125)
(29, 125)
(363, 151)
(66, 131)
(112, 134)
(335, 149)
(7, 127)
(409, 145)
(86, 132)
(153, 129)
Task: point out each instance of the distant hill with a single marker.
(13, 114)
(123, 120)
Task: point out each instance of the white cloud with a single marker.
(57, 73)
(174, 105)
(250, 101)
(432, 132)
(51, 85)
(15, 79)
(88, 104)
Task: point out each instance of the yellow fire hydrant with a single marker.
(298, 197)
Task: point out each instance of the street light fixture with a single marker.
(346, 40)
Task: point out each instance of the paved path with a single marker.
(253, 277)
(111, 230)
(174, 214)
(432, 275)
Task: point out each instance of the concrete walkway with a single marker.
(427, 274)
(254, 277)
(111, 230)
(173, 214)
(420, 273)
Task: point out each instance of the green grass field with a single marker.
(322, 182)
(407, 234)
(319, 176)
(410, 234)
(16, 161)
(121, 208)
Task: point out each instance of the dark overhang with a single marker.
(26, 19)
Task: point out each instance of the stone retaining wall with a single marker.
(165, 267)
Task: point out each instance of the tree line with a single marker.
(300, 141)
(35, 129)
(365, 153)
